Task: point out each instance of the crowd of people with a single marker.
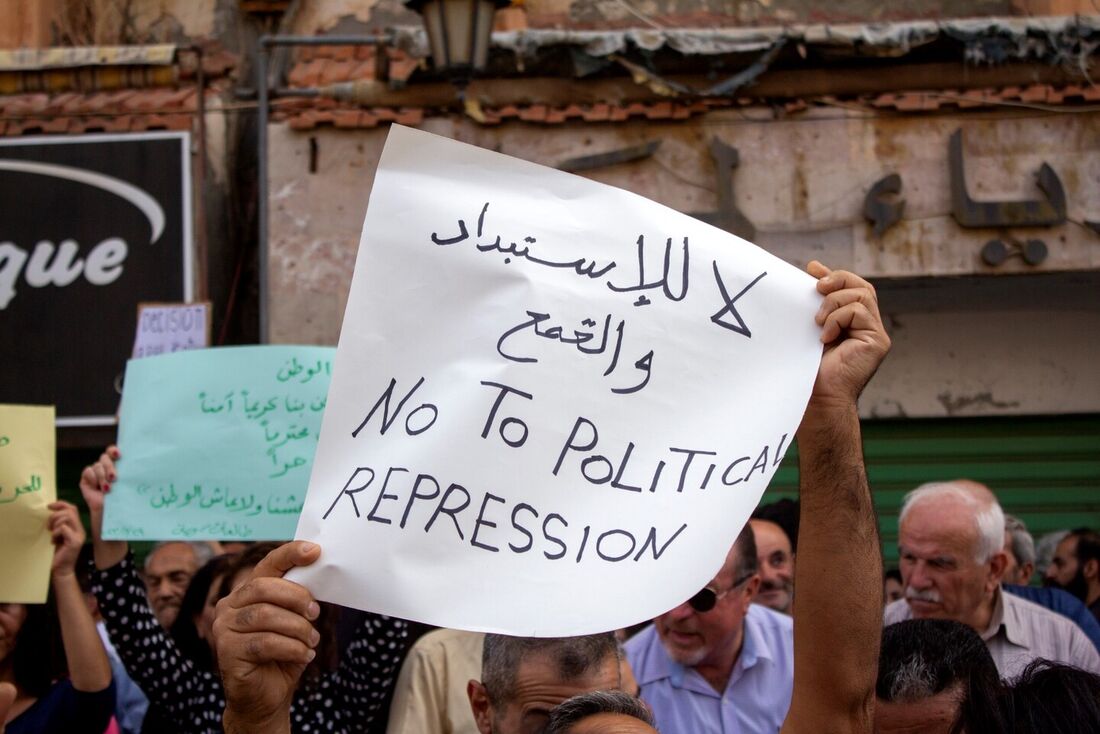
(800, 630)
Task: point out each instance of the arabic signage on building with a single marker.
(90, 226)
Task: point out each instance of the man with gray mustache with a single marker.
(951, 544)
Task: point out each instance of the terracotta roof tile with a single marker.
(55, 125)
(363, 69)
(410, 116)
(308, 74)
(338, 71)
(300, 75)
(25, 104)
(302, 121)
(347, 118)
(119, 124)
(598, 112)
(1035, 93)
(972, 98)
(402, 68)
(155, 99)
(330, 64)
(161, 122)
(160, 108)
(659, 111)
(309, 117)
(533, 113)
(344, 53)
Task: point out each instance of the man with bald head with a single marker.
(776, 561)
(951, 543)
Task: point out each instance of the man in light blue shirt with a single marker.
(718, 663)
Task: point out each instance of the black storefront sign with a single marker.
(90, 226)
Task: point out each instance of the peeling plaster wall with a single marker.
(169, 20)
(335, 16)
(802, 184)
(1002, 362)
(315, 223)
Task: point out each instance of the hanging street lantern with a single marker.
(458, 33)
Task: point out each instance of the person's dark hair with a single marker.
(39, 655)
(920, 658)
(328, 654)
(1050, 698)
(783, 513)
(573, 657)
(1088, 545)
(747, 563)
(85, 562)
(246, 560)
(183, 630)
(573, 710)
(892, 573)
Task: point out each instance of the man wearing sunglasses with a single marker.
(717, 662)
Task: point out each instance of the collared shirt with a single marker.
(1020, 631)
(1061, 602)
(756, 697)
(430, 697)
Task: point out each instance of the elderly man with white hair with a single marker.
(951, 542)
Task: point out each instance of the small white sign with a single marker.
(163, 328)
(554, 403)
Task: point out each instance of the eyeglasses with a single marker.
(707, 597)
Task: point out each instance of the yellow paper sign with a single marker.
(28, 483)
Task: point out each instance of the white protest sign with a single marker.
(554, 403)
(163, 328)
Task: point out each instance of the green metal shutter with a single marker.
(1044, 470)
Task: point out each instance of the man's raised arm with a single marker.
(838, 577)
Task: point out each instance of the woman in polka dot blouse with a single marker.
(343, 700)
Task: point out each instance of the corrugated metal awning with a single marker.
(875, 39)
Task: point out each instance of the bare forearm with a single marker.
(838, 576)
(107, 553)
(89, 668)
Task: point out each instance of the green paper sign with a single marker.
(217, 444)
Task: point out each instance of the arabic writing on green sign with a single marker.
(165, 497)
(271, 414)
(218, 443)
